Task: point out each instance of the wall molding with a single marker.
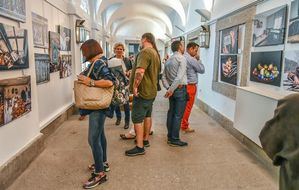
(228, 125)
(20, 161)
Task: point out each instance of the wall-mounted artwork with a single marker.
(291, 71)
(266, 67)
(42, 68)
(39, 30)
(66, 66)
(229, 40)
(294, 23)
(15, 98)
(269, 27)
(65, 38)
(13, 48)
(229, 69)
(14, 9)
(54, 51)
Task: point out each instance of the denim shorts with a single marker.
(142, 108)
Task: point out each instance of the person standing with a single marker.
(194, 66)
(174, 79)
(126, 64)
(144, 86)
(100, 77)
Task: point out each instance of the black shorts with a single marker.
(142, 108)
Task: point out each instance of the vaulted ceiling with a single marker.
(134, 17)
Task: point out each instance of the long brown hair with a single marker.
(151, 39)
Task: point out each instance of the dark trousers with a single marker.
(97, 139)
(116, 108)
(177, 105)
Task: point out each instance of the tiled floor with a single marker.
(214, 160)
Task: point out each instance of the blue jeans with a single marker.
(177, 105)
(116, 108)
(97, 139)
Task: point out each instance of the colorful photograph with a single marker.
(266, 67)
(291, 71)
(269, 27)
(293, 36)
(229, 40)
(54, 51)
(66, 66)
(13, 48)
(42, 68)
(14, 9)
(229, 69)
(15, 98)
(65, 38)
(39, 30)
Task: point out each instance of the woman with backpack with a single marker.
(99, 76)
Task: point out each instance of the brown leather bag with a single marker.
(92, 98)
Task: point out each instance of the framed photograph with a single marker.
(266, 67)
(13, 48)
(269, 27)
(229, 40)
(39, 30)
(229, 69)
(54, 51)
(293, 36)
(65, 38)
(15, 99)
(13, 9)
(66, 66)
(291, 71)
(42, 68)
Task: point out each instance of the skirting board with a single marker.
(250, 145)
(20, 162)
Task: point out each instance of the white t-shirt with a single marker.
(117, 63)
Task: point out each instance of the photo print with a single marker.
(229, 40)
(266, 67)
(66, 66)
(293, 36)
(42, 68)
(15, 99)
(229, 69)
(269, 27)
(65, 38)
(54, 51)
(13, 9)
(13, 48)
(39, 30)
(291, 71)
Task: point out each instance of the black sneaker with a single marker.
(126, 126)
(91, 167)
(135, 151)
(145, 143)
(118, 121)
(177, 143)
(94, 181)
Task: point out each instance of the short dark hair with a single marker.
(192, 45)
(175, 46)
(91, 48)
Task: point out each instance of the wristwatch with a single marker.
(91, 82)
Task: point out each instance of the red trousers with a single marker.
(191, 90)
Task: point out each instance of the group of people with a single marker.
(179, 77)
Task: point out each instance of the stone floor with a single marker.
(214, 160)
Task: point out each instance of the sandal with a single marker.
(124, 137)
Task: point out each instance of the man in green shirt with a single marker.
(144, 86)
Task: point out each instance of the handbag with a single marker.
(92, 98)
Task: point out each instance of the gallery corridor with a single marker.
(214, 160)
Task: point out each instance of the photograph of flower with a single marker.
(229, 69)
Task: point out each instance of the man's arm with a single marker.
(164, 80)
(138, 78)
(197, 65)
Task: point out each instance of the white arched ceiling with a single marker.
(148, 11)
(128, 28)
(111, 10)
(176, 5)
